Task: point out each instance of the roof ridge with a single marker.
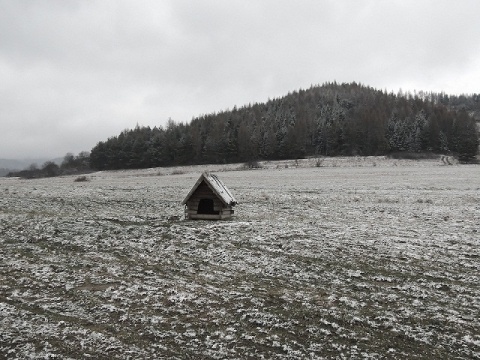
(217, 187)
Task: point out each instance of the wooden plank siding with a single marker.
(202, 190)
(223, 212)
(217, 204)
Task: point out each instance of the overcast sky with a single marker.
(73, 73)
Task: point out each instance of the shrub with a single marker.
(177, 172)
(81, 179)
(319, 162)
(408, 155)
(252, 164)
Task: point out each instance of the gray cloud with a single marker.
(73, 73)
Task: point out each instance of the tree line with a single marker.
(325, 120)
(330, 119)
(71, 164)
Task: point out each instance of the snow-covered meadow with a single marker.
(338, 258)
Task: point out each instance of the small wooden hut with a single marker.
(209, 199)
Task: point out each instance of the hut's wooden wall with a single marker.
(204, 192)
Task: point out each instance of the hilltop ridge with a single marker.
(329, 120)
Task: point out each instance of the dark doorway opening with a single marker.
(205, 206)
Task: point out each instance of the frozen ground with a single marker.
(358, 258)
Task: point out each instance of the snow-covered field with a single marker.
(357, 258)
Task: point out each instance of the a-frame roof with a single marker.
(216, 185)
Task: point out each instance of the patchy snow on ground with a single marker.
(339, 258)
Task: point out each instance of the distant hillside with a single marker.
(325, 120)
(9, 165)
(14, 164)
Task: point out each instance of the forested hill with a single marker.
(329, 119)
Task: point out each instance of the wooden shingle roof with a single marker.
(216, 185)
